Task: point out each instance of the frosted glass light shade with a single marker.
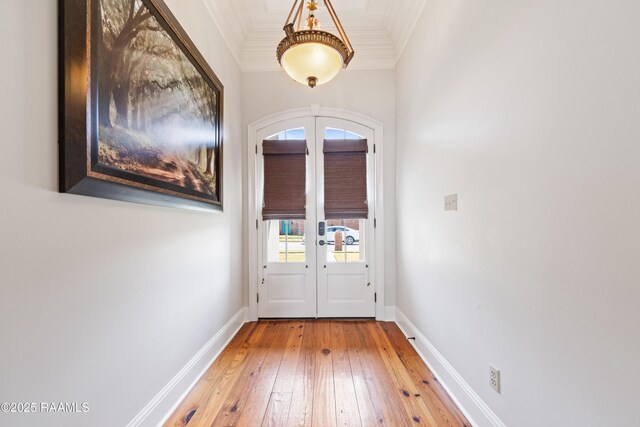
(307, 60)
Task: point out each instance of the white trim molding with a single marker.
(474, 408)
(166, 401)
(252, 209)
(379, 33)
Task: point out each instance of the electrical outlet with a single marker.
(494, 378)
(451, 202)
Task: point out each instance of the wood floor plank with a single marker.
(301, 407)
(200, 393)
(259, 396)
(415, 406)
(238, 369)
(287, 373)
(277, 410)
(431, 389)
(250, 396)
(318, 373)
(347, 412)
(390, 401)
(324, 399)
(367, 391)
(282, 392)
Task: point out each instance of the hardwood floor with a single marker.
(318, 373)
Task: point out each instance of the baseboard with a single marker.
(389, 314)
(474, 408)
(167, 400)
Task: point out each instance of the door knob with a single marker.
(321, 242)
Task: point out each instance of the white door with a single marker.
(303, 273)
(287, 277)
(344, 288)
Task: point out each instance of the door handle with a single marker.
(321, 242)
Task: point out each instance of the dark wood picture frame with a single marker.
(84, 168)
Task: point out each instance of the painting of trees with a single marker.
(158, 116)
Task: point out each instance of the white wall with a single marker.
(101, 301)
(371, 93)
(530, 111)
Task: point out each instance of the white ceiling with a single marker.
(378, 29)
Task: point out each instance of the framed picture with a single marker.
(140, 108)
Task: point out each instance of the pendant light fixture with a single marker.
(309, 55)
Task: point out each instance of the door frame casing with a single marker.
(376, 274)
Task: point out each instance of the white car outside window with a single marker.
(349, 235)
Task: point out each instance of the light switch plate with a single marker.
(451, 202)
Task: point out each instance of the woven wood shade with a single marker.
(284, 179)
(345, 179)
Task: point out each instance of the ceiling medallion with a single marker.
(309, 55)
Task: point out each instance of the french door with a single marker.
(316, 267)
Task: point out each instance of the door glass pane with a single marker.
(297, 133)
(345, 237)
(285, 238)
(285, 241)
(331, 133)
(345, 240)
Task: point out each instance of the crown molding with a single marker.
(378, 45)
(401, 19)
(233, 22)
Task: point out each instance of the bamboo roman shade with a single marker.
(345, 179)
(284, 179)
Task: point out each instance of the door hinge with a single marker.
(375, 297)
(256, 148)
(375, 222)
(257, 298)
(256, 224)
(374, 148)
